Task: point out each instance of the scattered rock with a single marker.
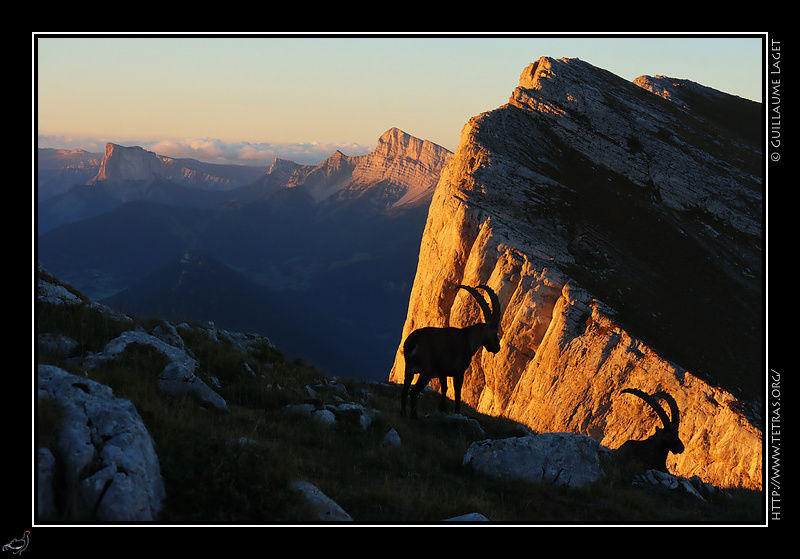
(321, 506)
(693, 486)
(392, 438)
(176, 379)
(352, 414)
(54, 294)
(471, 517)
(342, 414)
(324, 417)
(167, 333)
(561, 459)
(470, 426)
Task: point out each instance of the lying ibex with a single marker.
(446, 352)
(651, 453)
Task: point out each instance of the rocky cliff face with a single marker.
(401, 171)
(623, 235)
(137, 164)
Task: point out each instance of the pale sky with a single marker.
(250, 99)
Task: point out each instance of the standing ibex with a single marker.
(446, 352)
(651, 453)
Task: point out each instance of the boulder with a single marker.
(471, 517)
(561, 459)
(102, 459)
(178, 376)
(392, 438)
(321, 506)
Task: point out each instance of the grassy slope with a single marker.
(212, 478)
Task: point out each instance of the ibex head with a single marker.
(491, 316)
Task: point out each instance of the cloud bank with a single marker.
(216, 151)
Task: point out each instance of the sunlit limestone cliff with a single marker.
(622, 232)
(401, 171)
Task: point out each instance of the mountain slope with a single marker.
(401, 171)
(336, 241)
(197, 288)
(58, 169)
(126, 174)
(623, 236)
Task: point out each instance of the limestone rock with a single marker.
(561, 459)
(178, 377)
(616, 228)
(392, 438)
(321, 506)
(470, 517)
(103, 456)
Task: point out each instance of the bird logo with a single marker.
(17, 545)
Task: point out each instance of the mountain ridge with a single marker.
(623, 236)
(390, 176)
(337, 240)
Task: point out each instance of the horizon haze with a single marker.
(248, 99)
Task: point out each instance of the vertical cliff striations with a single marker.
(622, 232)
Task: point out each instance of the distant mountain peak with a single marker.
(128, 163)
(402, 170)
(134, 163)
(396, 143)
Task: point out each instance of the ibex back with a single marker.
(447, 352)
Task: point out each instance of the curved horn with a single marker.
(487, 313)
(495, 303)
(653, 404)
(675, 416)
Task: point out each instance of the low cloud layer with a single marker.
(217, 151)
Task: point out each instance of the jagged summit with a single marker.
(401, 171)
(396, 143)
(128, 163)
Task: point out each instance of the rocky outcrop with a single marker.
(102, 465)
(320, 506)
(401, 171)
(622, 234)
(178, 377)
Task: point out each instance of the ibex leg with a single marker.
(415, 390)
(443, 388)
(409, 376)
(457, 382)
